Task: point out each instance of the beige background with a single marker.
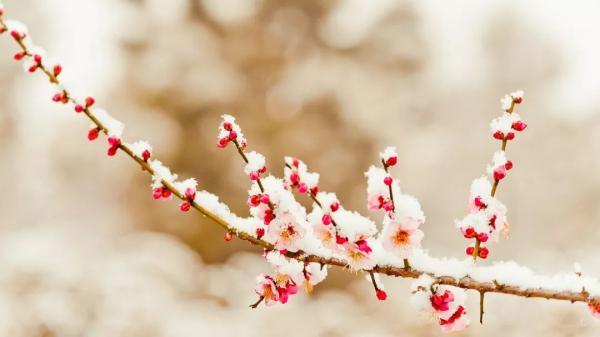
(85, 251)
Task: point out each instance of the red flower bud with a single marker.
(388, 180)
(37, 58)
(232, 135)
(19, 56)
(222, 143)
(228, 236)
(146, 155)
(391, 161)
(335, 206)
(57, 70)
(510, 136)
(508, 165)
(381, 295)
(483, 252)
(470, 250)
(326, 219)
(519, 126)
(227, 126)
(78, 108)
(89, 101)
(93, 133)
(499, 135)
(483, 237)
(185, 206)
(499, 173)
(260, 232)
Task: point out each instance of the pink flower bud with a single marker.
(93, 133)
(185, 206)
(340, 240)
(157, 193)
(57, 97)
(112, 151)
(254, 200)
(508, 165)
(519, 126)
(499, 135)
(479, 203)
(388, 180)
(146, 155)
(57, 70)
(381, 295)
(326, 219)
(260, 232)
(335, 206)
(166, 193)
(391, 161)
(265, 199)
(37, 58)
(228, 236)
(190, 193)
(510, 136)
(19, 56)
(232, 135)
(499, 173)
(222, 143)
(227, 126)
(294, 178)
(483, 237)
(470, 250)
(302, 188)
(78, 108)
(483, 252)
(89, 101)
(253, 175)
(16, 35)
(388, 206)
(469, 233)
(363, 246)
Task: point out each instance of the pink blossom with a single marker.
(401, 237)
(266, 288)
(286, 232)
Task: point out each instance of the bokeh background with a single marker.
(85, 251)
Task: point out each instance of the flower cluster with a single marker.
(296, 176)
(444, 303)
(290, 276)
(505, 126)
(403, 214)
(229, 132)
(330, 233)
(487, 216)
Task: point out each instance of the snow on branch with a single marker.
(301, 244)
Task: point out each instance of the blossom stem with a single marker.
(255, 305)
(496, 183)
(240, 150)
(385, 167)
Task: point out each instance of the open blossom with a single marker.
(401, 236)
(230, 131)
(286, 233)
(298, 177)
(359, 256)
(266, 288)
(445, 303)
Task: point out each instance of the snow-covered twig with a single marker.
(306, 263)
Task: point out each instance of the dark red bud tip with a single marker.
(518, 100)
(470, 250)
(508, 165)
(57, 70)
(89, 102)
(228, 236)
(381, 295)
(146, 155)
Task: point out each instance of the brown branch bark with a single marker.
(465, 282)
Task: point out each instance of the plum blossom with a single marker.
(230, 131)
(445, 303)
(255, 166)
(266, 289)
(141, 149)
(286, 233)
(401, 237)
(297, 176)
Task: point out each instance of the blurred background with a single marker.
(86, 251)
